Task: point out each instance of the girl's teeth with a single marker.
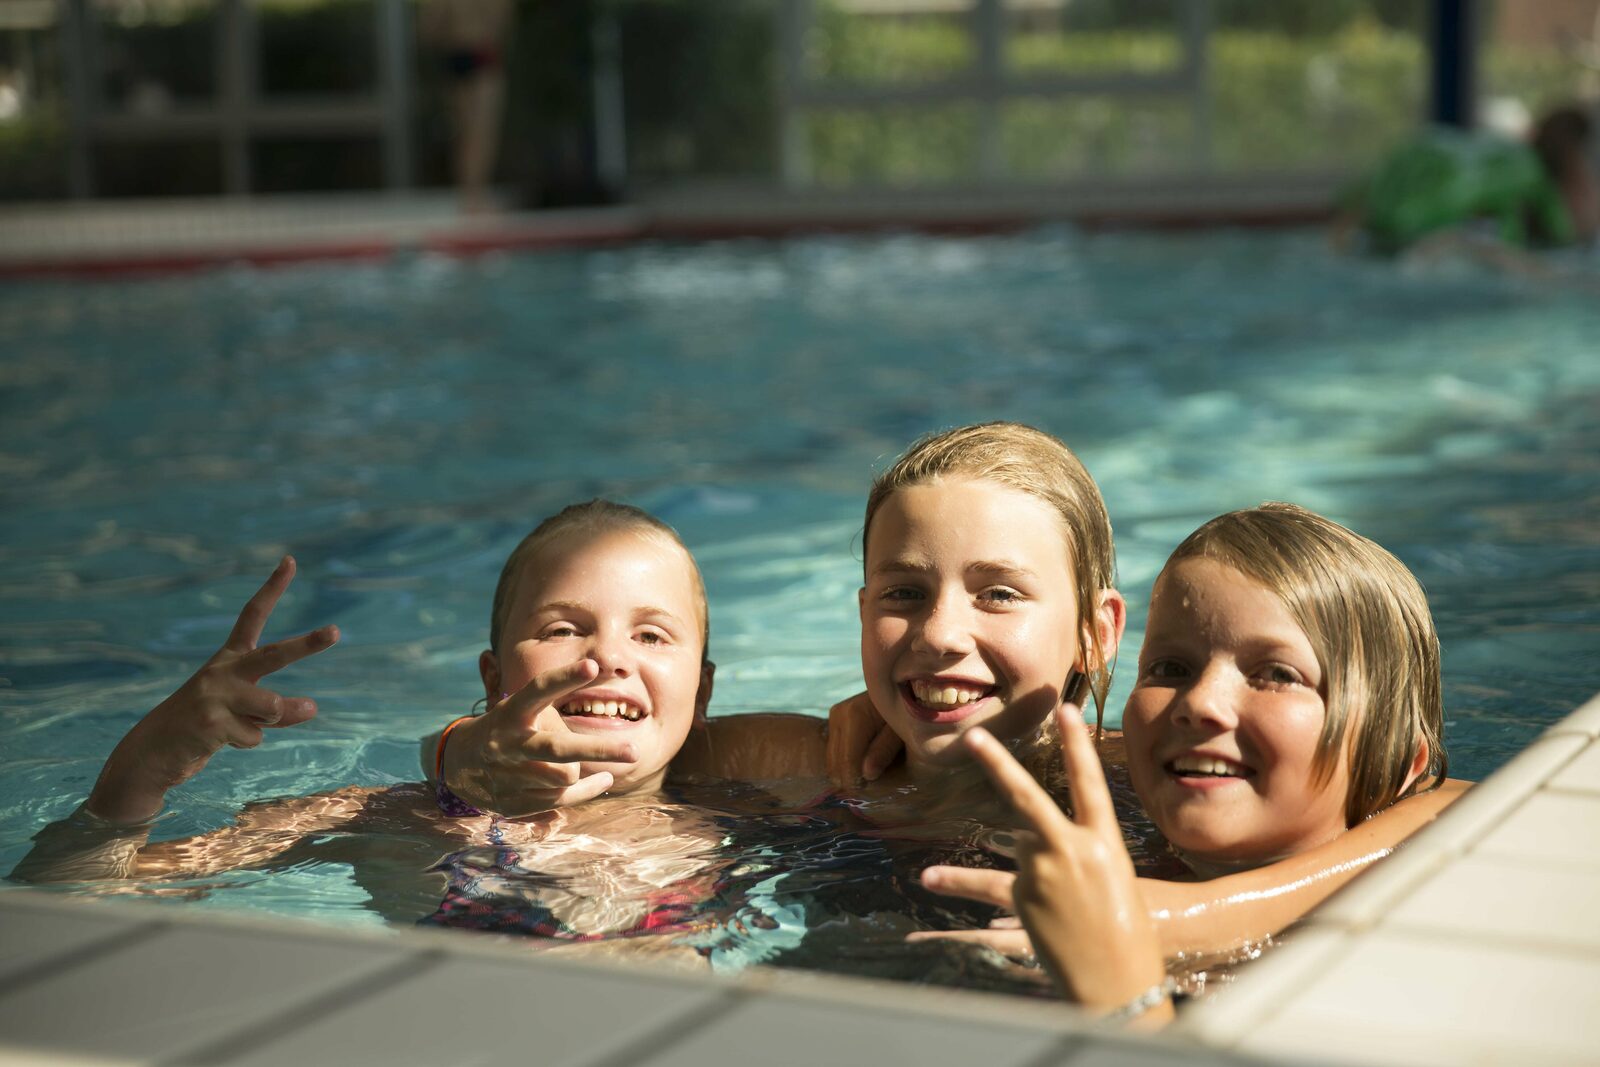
(604, 709)
(948, 696)
(1206, 765)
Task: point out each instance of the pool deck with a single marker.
(1476, 943)
(99, 238)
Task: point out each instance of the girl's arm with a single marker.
(756, 747)
(1217, 916)
(221, 704)
(84, 847)
(501, 763)
(1223, 913)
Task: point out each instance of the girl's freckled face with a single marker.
(1225, 720)
(968, 616)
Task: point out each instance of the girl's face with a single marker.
(969, 614)
(628, 601)
(1224, 721)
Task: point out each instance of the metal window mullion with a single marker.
(74, 29)
(610, 106)
(794, 157)
(392, 28)
(1197, 43)
(236, 91)
(988, 24)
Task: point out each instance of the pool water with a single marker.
(399, 427)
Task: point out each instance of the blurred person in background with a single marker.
(470, 37)
(1457, 190)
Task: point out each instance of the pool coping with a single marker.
(136, 237)
(1396, 968)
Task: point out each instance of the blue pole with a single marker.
(1452, 45)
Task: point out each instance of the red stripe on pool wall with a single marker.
(528, 235)
(180, 262)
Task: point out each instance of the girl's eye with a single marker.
(1000, 595)
(651, 637)
(1279, 674)
(900, 594)
(561, 629)
(1163, 670)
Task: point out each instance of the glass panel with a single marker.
(697, 87)
(893, 146)
(315, 164)
(156, 55)
(33, 140)
(158, 168)
(1537, 57)
(1074, 37)
(1088, 136)
(889, 42)
(1314, 85)
(317, 47)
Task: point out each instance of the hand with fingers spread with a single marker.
(1075, 888)
(861, 746)
(222, 704)
(1005, 934)
(520, 757)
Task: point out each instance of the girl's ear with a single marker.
(1419, 765)
(702, 697)
(1110, 620)
(489, 671)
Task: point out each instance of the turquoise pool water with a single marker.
(399, 427)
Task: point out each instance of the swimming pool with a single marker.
(399, 426)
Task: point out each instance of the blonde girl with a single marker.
(1288, 691)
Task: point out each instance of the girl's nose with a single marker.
(944, 630)
(1207, 703)
(613, 652)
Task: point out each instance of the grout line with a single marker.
(299, 1013)
(645, 1047)
(105, 946)
(1061, 1052)
(1534, 944)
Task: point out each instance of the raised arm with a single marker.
(221, 704)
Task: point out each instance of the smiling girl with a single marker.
(1288, 690)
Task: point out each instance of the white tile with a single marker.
(1582, 775)
(1514, 901)
(1464, 822)
(777, 1031)
(1585, 720)
(1154, 1051)
(1261, 989)
(186, 987)
(1404, 999)
(494, 1011)
(1558, 829)
(31, 938)
(30, 1057)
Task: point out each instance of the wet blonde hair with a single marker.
(1030, 461)
(592, 518)
(1368, 623)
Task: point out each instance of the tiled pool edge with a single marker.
(350, 997)
(1478, 941)
(1398, 968)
